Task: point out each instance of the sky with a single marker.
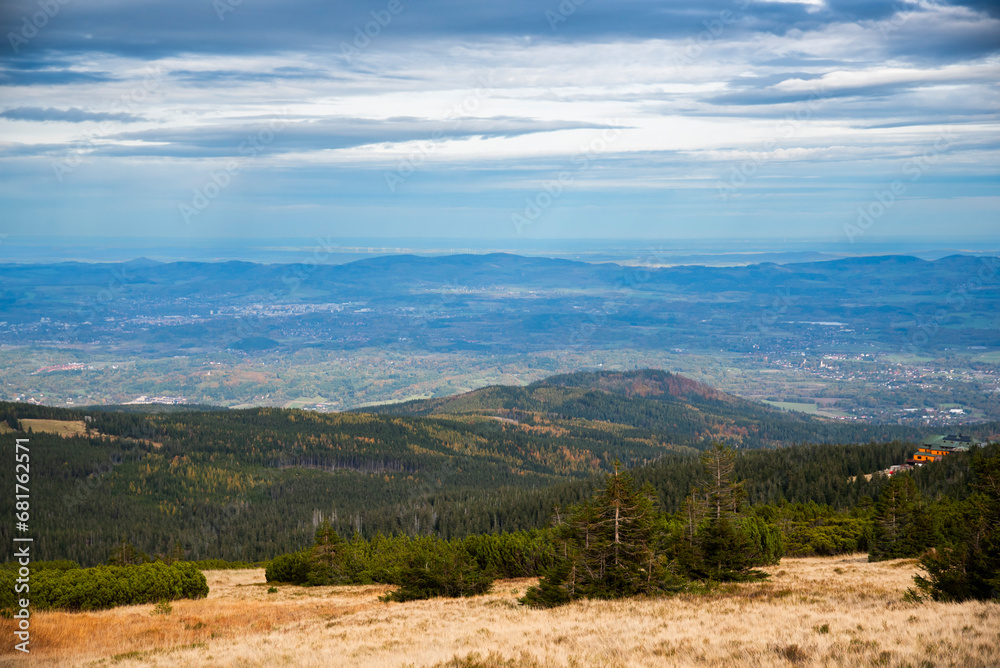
(500, 119)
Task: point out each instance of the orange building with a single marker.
(936, 448)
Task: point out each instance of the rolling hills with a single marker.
(676, 409)
(868, 336)
(253, 483)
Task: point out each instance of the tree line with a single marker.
(615, 543)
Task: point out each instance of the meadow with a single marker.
(835, 611)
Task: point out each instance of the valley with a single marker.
(888, 340)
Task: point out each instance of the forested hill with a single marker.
(253, 483)
(677, 409)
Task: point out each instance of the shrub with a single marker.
(223, 565)
(446, 569)
(551, 590)
(162, 608)
(105, 587)
(393, 559)
(193, 583)
(293, 568)
(512, 555)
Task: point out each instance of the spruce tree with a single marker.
(970, 567)
(618, 558)
(611, 546)
(326, 559)
(895, 528)
(725, 545)
(723, 494)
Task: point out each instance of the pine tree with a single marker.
(970, 567)
(609, 547)
(724, 496)
(724, 545)
(894, 532)
(327, 557)
(176, 554)
(618, 558)
(126, 554)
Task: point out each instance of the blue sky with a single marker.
(500, 119)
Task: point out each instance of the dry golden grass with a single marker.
(814, 612)
(57, 427)
(64, 428)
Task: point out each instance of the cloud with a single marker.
(71, 115)
(215, 77)
(288, 135)
(159, 28)
(51, 77)
(697, 89)
(877, 82)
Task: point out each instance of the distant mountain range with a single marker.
(399, 273)
(486, 308)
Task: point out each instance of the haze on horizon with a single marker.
(509, 121)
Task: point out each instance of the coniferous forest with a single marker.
(498, 483)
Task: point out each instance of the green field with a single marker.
(792, 406)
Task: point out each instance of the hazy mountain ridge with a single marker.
(493, 268)
(239, 333)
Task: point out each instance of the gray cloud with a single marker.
(692, 119)
(157, 28)
(287, 135)
(215, 77)
(28, 76)
(71, 115)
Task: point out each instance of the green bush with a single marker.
(551, 590)
(58, 565)
(445, 569)
(293, 568)
(766, 541)
(512, 555)
(391, 559)
(105, 587)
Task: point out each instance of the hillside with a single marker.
(677, 409)
(253, 483)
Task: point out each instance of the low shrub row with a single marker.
(418, 565)
(64, 586)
